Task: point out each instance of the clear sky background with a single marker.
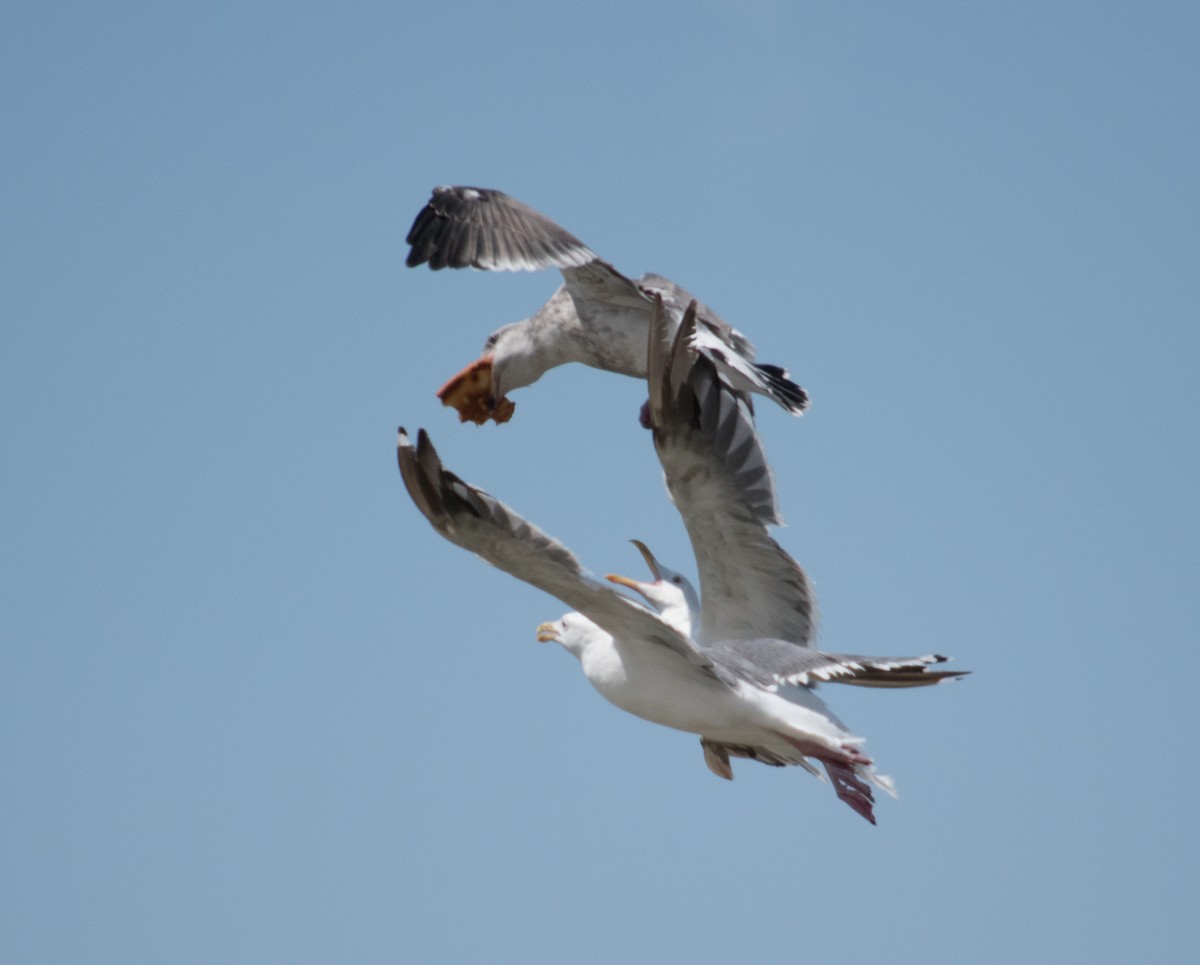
(253, 709)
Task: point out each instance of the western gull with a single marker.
(597, 316)
(747, 693)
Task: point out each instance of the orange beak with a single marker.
(622, 581)
(469, 392)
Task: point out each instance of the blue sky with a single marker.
(253, 709)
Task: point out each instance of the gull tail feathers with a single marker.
(783, 390)
(743, 375)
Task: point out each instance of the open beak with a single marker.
(470, 392)
(648, 557)
(634, 584)
(547, 633)
(623, 581)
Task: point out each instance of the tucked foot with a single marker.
(846, 756)
(644, 416)
(852, 789)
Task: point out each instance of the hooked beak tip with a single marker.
(648, 557)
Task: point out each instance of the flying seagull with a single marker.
(597, 316)
(750, 694)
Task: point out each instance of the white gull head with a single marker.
(670, 593)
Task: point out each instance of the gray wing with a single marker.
(463, 227)
(476, 521)
(770, 663)
(728, 347)
(717, 475)
(676, 300)
(615, 314)
(599, 284)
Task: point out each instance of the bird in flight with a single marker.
(598, 316)
(735, 663)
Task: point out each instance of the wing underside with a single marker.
(465, 227)
(478, 522)
(718, 477)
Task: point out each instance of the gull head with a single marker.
(670, 594)
(518, 358)
(574, 633)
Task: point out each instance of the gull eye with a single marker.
(677, 580)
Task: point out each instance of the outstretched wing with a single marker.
(718, 477)
(478, 522)
(464, 227)
(770, 663)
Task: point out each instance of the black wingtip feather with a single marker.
(783, 390)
